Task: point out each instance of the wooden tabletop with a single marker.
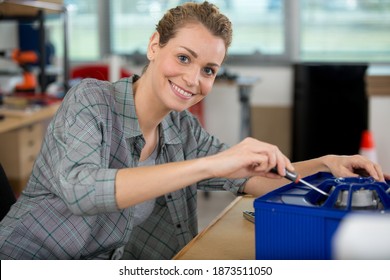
(14, 121)
(229, 237)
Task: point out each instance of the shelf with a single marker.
(17, 9)
(29, 8)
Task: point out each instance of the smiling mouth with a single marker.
(181, 92)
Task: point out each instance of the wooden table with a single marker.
(17, 120)
(229, 237)
(21, 136)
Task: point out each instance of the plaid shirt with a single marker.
(68, 208)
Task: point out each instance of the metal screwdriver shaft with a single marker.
(294, 177)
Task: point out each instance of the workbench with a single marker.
(229, 237)
(20, 142)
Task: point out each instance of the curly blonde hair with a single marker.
(205, 13)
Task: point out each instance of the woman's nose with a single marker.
(191, 77)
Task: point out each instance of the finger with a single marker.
(289, 165)
(278, 159)
(283, 164)
(379, 172)
(282, 168)
(261, 163)
(370, 169)
(273, 159)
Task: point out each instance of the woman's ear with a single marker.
(154, 45)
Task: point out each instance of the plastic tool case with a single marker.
(296, 222)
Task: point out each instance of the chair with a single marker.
(96, 71)
(7, 196)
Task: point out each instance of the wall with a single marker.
(379, 116)
(378, 85)
(8, 42)
(9, 34)
(271, 101)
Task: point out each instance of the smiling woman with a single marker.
(118, 173)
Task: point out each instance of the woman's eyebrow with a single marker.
(194, 54)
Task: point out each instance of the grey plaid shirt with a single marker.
(68, 208)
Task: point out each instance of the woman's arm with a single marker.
(248, 158)
(135, 185)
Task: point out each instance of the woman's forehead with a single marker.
(200, 40)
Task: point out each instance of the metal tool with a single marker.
(292, 176)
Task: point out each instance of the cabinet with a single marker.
(20, 142)
(330, 109)
(18, 151)
(36, 10)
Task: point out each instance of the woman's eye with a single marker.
(183, 59)
(209, 71)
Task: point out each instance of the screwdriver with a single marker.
(294, 177)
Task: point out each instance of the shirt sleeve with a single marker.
(209, 145)
(82, 137)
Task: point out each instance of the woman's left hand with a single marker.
(354, 166)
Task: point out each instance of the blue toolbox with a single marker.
(297, 222)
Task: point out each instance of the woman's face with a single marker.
(184, 70)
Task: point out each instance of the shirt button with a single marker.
(178, 225)
(169, 196)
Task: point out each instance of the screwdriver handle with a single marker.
(292, 176)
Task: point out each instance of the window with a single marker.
(83, 30)
(258, 26)
(264, 30)
(345, 30)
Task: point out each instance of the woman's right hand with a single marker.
(248, 158)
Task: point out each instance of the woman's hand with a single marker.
(248, 158)
(353, 166)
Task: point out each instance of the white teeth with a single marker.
(182, 92)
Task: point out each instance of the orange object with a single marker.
(24, 58)
(367, 140)
(367, 146)
(29, 82)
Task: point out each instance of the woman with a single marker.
(121, 163)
